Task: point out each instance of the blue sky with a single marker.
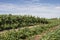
(41, 8)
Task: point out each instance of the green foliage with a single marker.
(52, 35)
(15, 21)
(22, 34)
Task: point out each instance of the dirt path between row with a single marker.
(38, 37)
(22, 28)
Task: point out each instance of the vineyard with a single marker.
(23, 23)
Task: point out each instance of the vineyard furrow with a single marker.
(38, 37)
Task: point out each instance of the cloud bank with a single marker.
(31, 7)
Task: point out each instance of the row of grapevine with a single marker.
(52, 35)
(27, 32)
(15, 21)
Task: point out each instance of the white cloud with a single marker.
(36, 10)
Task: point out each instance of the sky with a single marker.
(40, 8)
